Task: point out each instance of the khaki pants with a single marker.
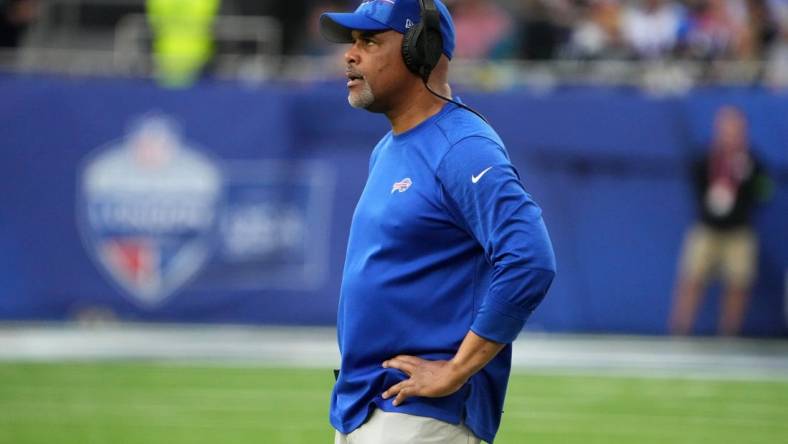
(399, 428)
(732, 253)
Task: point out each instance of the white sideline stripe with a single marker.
(316, 348)
(25, 401)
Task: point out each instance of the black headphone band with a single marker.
(430, 15)
(432, 27)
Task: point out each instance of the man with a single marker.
(727, 184)
(183, 39)
(447, 255)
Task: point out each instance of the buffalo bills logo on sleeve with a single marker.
(148, 210)
(402, 185)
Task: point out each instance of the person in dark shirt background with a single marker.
(15, 17)
(722, 242)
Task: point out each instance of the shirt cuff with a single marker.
(495, 322)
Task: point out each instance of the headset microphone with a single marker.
(422, 47)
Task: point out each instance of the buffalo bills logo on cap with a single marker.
(147, 210)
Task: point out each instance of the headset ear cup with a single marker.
(422, 44)
(432, 49)
(410, 49)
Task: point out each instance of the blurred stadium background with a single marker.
(178, 178)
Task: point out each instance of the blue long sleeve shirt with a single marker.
(444, 240)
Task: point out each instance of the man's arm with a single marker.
(434, 379)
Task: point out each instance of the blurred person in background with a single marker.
(544, 28)
(728, 182)
(760, 30)
(717, 29)
(651, 27)
(597, 34)
(15, 17)
(447, 255)
(482, 27)
(182, 38)
(776, 74)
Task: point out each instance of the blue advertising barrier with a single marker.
(230, 204)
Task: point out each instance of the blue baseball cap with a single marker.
(381, 15)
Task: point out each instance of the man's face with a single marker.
(375, 70)
(731, 129)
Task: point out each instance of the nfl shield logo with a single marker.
(147, 210)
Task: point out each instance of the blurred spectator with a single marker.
(15, 17)
(777, 56)
(728, 183)
(776, 74)
(545, 26)
(481, 27)
(183, 38)
(598, 33)
(651, 27)
(760, 30)
(717, 29)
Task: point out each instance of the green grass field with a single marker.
(179, 404)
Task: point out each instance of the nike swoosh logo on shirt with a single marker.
(475, 179)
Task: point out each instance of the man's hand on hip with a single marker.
(434, 379)
(431, 379)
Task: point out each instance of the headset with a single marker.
(422, 47)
